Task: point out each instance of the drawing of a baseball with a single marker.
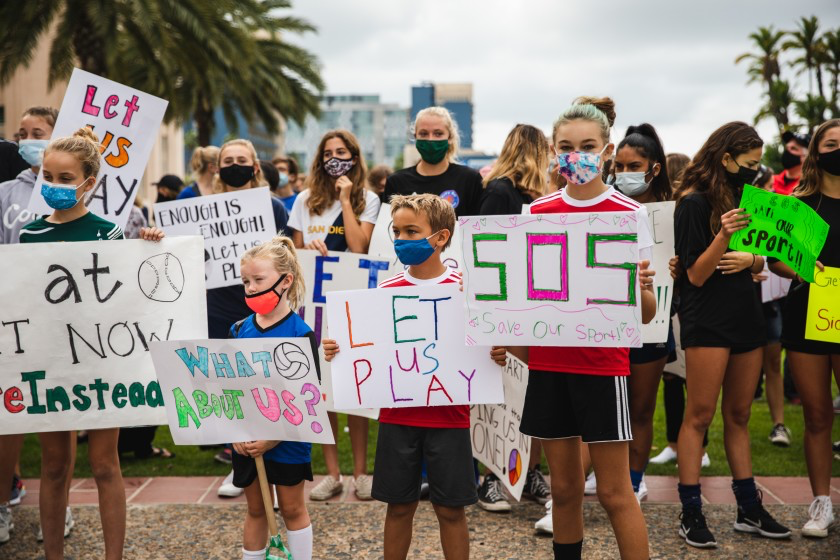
(161, 277)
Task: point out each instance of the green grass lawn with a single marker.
(768, 460)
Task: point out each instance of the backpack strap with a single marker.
(237, 326)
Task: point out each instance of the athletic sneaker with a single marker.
(705, 461)
(227, 489)
(780, 435)
(6, 524)
(536, 488)
(667, 455)
(694, 530)
(363, 486)
(822, 517)
(590, 487)
(643, 491)
(759, 521)
(224, 456)
(326, 489)
(68, 526)
(545, 524)
(18, 491)
(490, 495)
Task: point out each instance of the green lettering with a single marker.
(136, 394)
(154, 396)
(234, 395)
(82, 401)
(118, 396)
(57, 395)
(403, 318)
(99, 387)
(202, 403)
(32, 377)
(217, 405)
(185, 411)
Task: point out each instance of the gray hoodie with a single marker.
(14, 202)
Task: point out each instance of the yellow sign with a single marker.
(823, 322)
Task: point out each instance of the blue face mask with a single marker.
(284, 180)
(32, 151)
(59, 197)
(412, 252)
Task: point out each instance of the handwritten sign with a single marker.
(126, 120)
(77, 321)
(661, 217)
(244, 389)
(230, 223)
(775, 287)
(494, 430)
(405, 347)
(552, 280)
(783, 227)
(382, 242)
(823, 318)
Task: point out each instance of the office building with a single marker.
(455, 97)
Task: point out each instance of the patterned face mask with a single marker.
(337, 167)
(580, 167)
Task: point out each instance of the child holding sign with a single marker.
(273, 287)
(438, 435)
(811, 361)
(70, 167)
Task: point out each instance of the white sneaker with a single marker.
(545, 525)
(68, 526)
(363, 486)
(590, 487)
(643, 491)
(780, 435)
(705, 461)
(822, 517)
(326, 489)
(227, 489)
(667, 455)
(6, 523)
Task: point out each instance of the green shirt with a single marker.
(89, 227)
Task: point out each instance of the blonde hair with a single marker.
(281, 251)
(600, 110)
(49, 114)
(321, 185)
(439, 212)
(84, 146)
(219, 185)
(202, 157)
(451, 126)
(524, 160)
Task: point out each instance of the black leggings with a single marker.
(674, 397)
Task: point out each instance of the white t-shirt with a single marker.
(329, 226)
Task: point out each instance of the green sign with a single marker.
(782, 227)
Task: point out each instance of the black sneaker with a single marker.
(536, 488)
(490, 495)
(757, 520)
(694, 530)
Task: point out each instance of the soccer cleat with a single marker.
(759, 521)
(667, 455)
(590, 487)
(780, 435)
(694, 530)
(536, 488)
(545, 524)
(326, 489)
(490, 495)
(822, 517)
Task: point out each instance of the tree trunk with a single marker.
(204, 123)
(90, 48)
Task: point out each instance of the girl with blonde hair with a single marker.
(204, 164)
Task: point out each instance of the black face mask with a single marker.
(829, 162)
(236, 175)
(744, 176)
(789, 160)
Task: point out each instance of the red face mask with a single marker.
(264, 302)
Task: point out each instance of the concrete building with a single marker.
(381, 128)
(455, 97)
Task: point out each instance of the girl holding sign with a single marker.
(70, 167)
(811, 361)
(722, 326)
(337, 213)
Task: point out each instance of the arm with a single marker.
(706, 264)
(356, 233)
(648, 298)
(781, 269)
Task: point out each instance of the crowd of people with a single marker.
(588, 409)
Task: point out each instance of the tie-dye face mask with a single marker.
(580, 167)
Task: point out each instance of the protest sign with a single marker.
(823, 319)
(405, 347)
(783, 227)
(775, 287)
(77, 320)
(230, 223)
(382, 242)
(552, 280)
(243, 389)
(661, 217)
(494, 430)
(126, 121)
(327, 393)
(677, 367)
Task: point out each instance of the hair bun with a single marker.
(87, 133)
(605, 104)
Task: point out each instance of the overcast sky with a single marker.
(670, 63)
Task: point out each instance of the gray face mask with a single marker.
(632, 183)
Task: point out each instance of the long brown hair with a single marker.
(706, 173)
(812, 175)
(523, 161)
(321, 185)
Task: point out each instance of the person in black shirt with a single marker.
(436, 138)
(519, 175)
(811, 361)
(722, 325)
(11, 164)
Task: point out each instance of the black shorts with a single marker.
(447, 452)
(654, 351)
(282, 474)
(565, 405)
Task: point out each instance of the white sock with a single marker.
(253, 554)
(300, 543)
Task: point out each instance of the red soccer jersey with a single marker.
(589, 360)
(455, 416)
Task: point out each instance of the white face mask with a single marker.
(631, 183)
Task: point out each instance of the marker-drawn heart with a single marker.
(629, 332)
(483, 221)
(563, 218)
(622, 326)
(463, 221)
(512, 220)
(539, 217)
(476, 226)
(616, 219)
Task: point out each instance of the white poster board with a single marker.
(230, 223)
(494, 430)
(243, 389)
(661, 218)
(775, 287)
(127, 121)
(552, 280)
(677, 367)
(405, 347)
(382, 242)
(77, 322)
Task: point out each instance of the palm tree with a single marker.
(779, 99)
(764, 68)
(811, 110)
(831, 42)
(805, 39)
